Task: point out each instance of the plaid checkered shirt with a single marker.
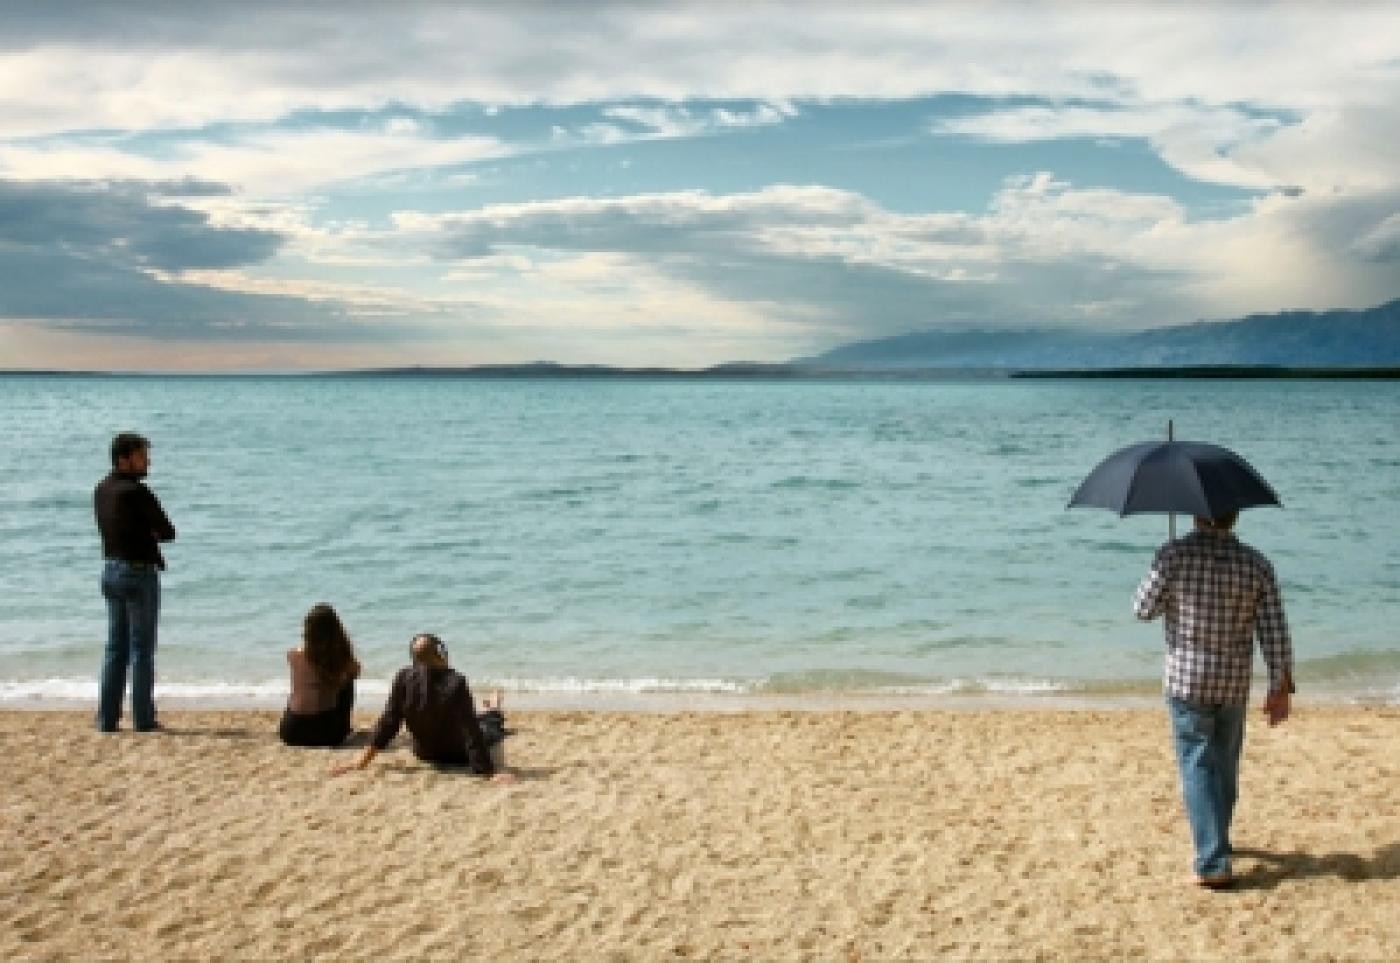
(1216, 593)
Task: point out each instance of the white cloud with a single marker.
(1199, 140)
(780, 272)
(402, 125)
(1043, 250)
(1336, 149)
(1191, 79)
(666, 121)
(490, 268)
(358, 300)
(629, 123)
(1383, 242)
(1047, 122)
(136, 66)
(1331, 149)
(267, 163)
(571, 219)
(1271, 96)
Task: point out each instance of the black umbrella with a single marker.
(1174, 476)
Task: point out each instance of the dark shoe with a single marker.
(154, 728)
(1218, 881)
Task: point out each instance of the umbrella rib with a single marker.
(1128, 495)
(1133, 482)
(1200, 488)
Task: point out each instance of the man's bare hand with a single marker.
(503, 777)
(360, 762)
(1276, 706)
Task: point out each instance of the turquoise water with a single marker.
(578, 536)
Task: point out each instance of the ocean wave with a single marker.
(864, 681)
(1349, 686)
(976, 686)
(620, 686)
(65, 690)
(825, 484)
(85, 690)
(1367, 664)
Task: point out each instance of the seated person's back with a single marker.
(323, 673)
(435, 702)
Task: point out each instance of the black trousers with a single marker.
(327, 728)
(493, 726)
(493, 732)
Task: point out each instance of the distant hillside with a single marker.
(1335, 339)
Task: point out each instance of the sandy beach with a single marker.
(920, 834)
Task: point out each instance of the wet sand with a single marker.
(775, 834)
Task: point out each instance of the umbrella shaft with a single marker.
(1171, 516)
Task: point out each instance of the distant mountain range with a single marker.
(1291, 339)
(1292, 344)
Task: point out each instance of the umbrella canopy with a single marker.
(1190, 477)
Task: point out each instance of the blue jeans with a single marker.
(133, 605)
(1208, 740)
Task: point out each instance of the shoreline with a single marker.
(370, 697)
(668, 703)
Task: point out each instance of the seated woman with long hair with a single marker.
(324, 671)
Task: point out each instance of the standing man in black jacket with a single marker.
(132, 525)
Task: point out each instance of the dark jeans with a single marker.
(132, 593)
(327, 728)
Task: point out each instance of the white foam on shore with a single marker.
(652, 692)
(997, 686)
(570, 685)
(276, 690)
(267, 692)
(66, 691)
(560, 689)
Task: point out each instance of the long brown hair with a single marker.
(326, 645)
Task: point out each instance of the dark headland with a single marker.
(771, 372)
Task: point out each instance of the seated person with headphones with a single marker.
(435, 702)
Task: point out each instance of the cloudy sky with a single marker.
(284, 186)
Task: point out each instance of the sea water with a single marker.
(626, 536)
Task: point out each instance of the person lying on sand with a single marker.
(435, 702)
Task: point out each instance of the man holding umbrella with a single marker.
(1216, 593)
